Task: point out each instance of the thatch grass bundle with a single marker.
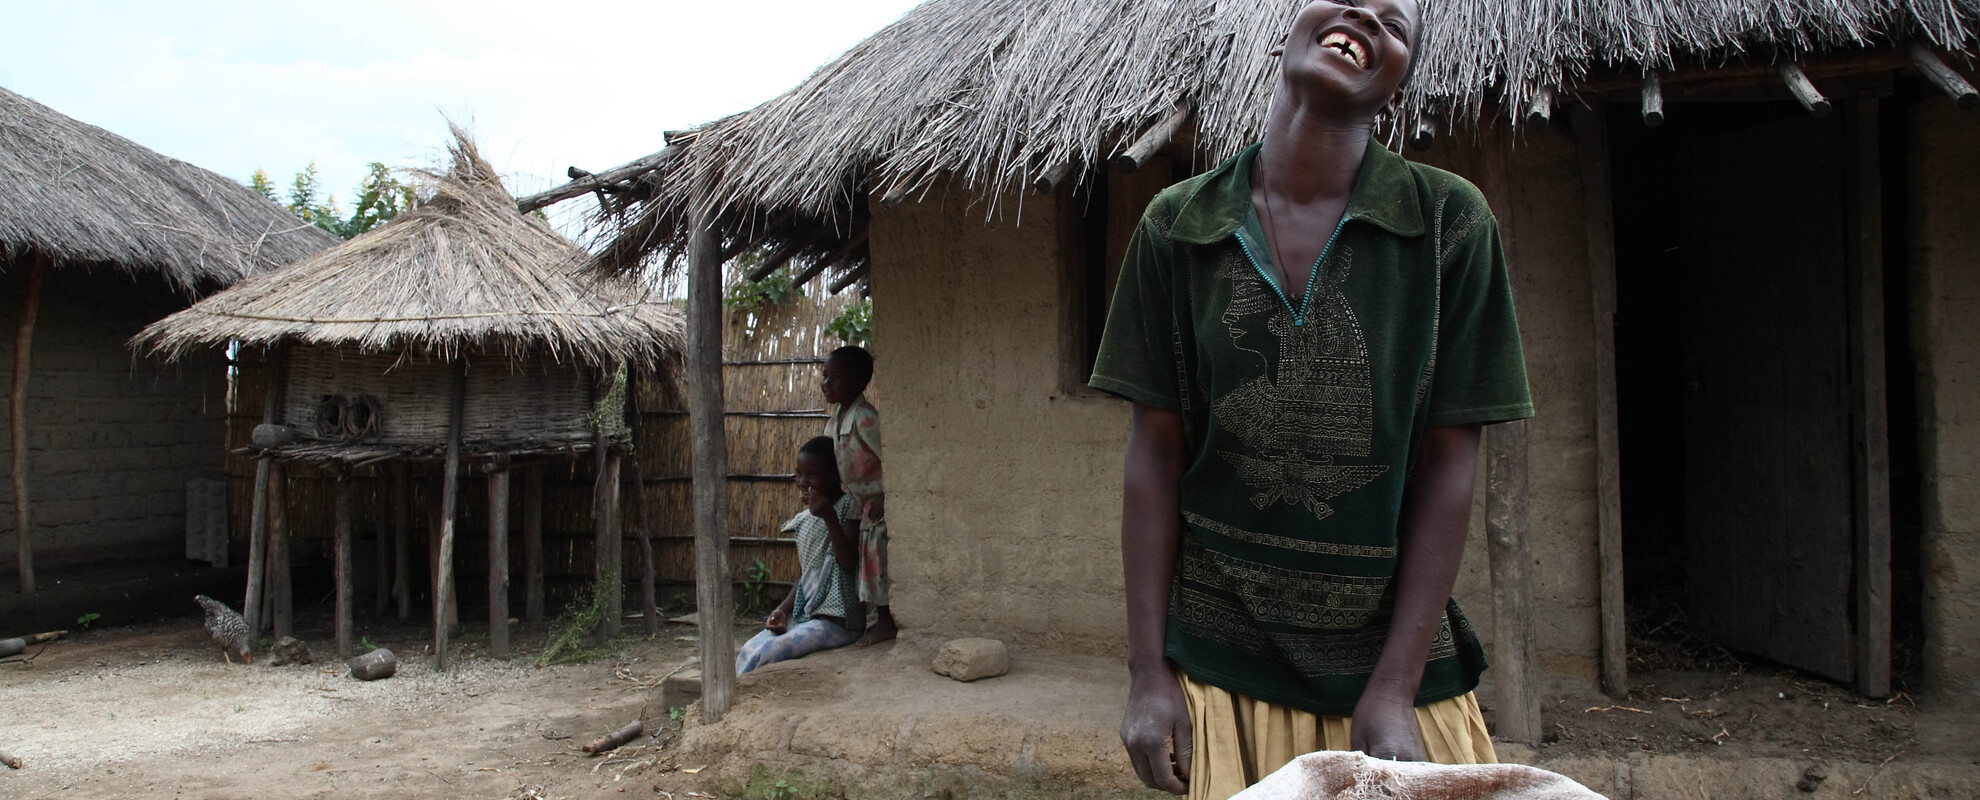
(460, 271)
(78, 193)
(995, 93)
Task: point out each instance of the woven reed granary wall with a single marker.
(530, 398)
(771, 387)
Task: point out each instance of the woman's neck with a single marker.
(1309, 154)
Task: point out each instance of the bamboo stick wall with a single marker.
(770, 382)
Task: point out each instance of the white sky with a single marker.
(234, 86)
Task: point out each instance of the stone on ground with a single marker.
(291, 650)
(972, 659)
(377, 664)
(680, 689)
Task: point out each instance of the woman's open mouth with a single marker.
(1348, 47)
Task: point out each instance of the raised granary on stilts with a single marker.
(459, 338)
(98, 237)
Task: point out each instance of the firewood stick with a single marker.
(16, 646)
(613, 740)
(11, 760)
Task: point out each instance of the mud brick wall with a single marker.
(112, 438)
(1945, 291)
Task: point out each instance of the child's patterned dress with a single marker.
(855, 431)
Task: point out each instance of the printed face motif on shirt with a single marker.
(1313, 400)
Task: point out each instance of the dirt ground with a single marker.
(152, 711)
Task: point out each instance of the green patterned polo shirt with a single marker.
(1304, 412)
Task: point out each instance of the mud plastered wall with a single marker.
(1542, 216)
(1945, 263)
(112, 439)
(1003, 489)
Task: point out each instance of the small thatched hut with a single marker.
(1744, 264)
(458, 335)
(99, 237)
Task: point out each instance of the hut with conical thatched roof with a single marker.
(1744, 265)
(100, 236)
(460, 335)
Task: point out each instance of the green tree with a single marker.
(380, 198)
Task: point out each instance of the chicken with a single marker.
(228, 629)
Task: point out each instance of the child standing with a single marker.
(823, 609)
(855, 431)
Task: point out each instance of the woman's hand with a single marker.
(778, 622)
(1157, 733)
(1385, 727)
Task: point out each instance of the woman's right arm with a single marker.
(1156, 726)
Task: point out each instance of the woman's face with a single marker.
(1356, 51)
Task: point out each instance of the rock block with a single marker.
(680, 689)
(972, 659)
(377, 664)
(291, 650)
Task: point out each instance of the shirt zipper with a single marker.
(1305, 300)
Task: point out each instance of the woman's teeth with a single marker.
(1347, 47)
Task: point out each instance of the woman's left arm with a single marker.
(1436, 514)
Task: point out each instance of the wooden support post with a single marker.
(1804, 90)
(382, 569)
(281, 588)
(401, 536)
(850, 278)
(607, 566)
(1591, 135)
(1871, 440)
(1153, 140)
(1506, 493)
(711, 542)
(17, 420)
(252, 608)
(450, 501)
(1653, 100)
(1540, 111)
(532, 511)
(498, 560)
(346, 583)
(1952, 83)
(649, 609)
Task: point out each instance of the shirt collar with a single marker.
(1384, 195)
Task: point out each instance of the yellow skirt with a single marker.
(1238, 740)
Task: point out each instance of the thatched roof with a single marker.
(80, 194)
(996, 93)
(460, 270)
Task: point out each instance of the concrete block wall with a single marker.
(1945, 282)
(112, 439)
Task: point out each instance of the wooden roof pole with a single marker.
(1653, 100)
(710, 448)
(1962, 93)
(17, 420)
(1804, 90)
(1541, 111)
(450, 500)
(1422, 134)
(1051, 178)
(831, 260)
(595, 182)
(851, 278)
(1154, 140)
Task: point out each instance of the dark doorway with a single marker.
(1734, 378)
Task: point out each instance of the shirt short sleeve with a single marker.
(1480, 376)
(1139, 357)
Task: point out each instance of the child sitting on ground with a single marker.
(855, 431)
(823, 610)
